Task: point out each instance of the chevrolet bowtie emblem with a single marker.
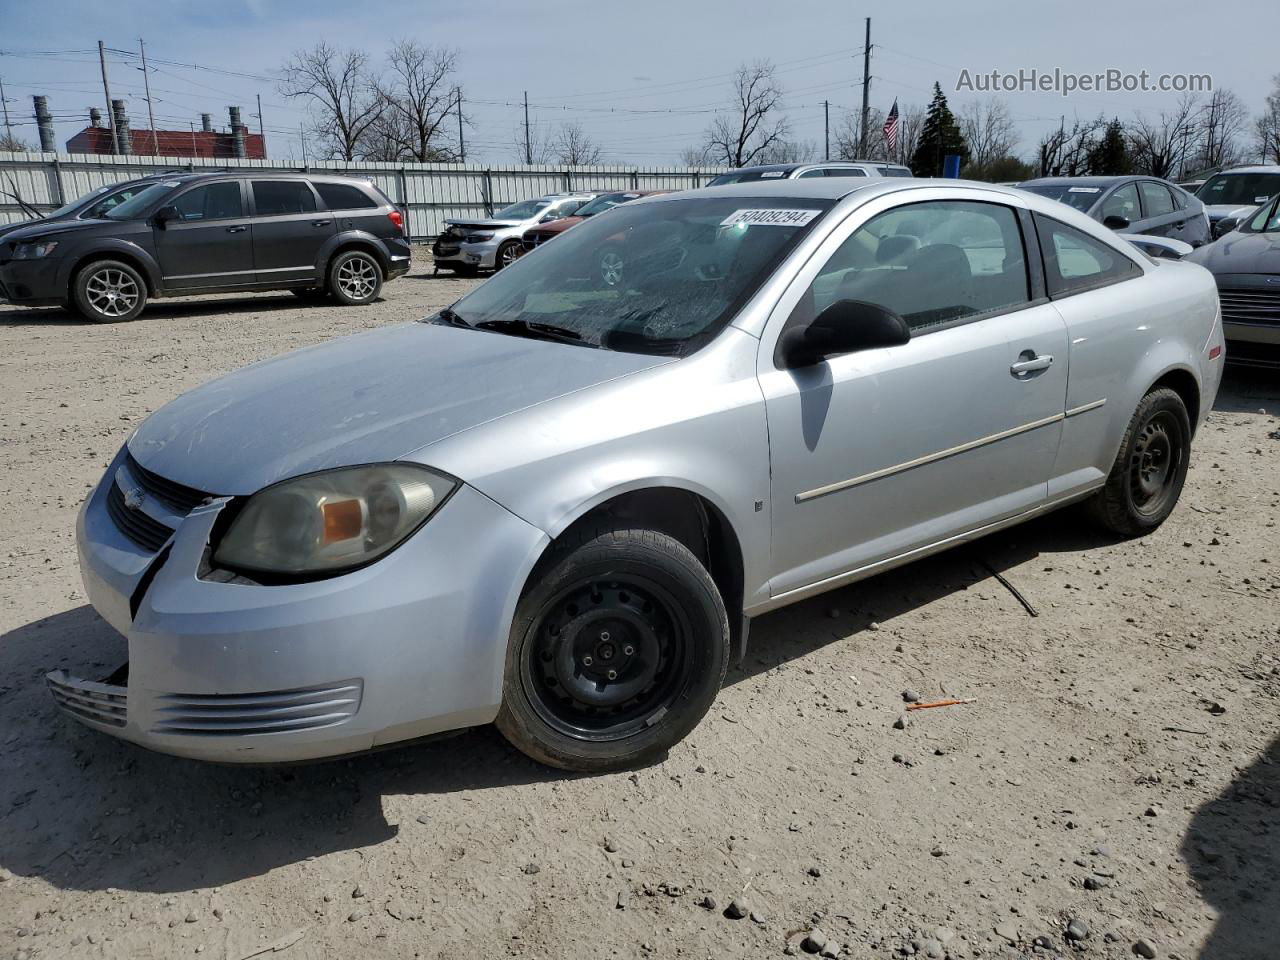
(134, 498)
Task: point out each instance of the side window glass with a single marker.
(1123, 202)
(812, 173)
(1075, 262)
(275, 197)
(1155, 199)
(931, 263)
(342, 196)
(213, 201)
(845, 172)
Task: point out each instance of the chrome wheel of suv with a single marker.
(355, 278)
(109, 290)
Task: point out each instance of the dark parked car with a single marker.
(91, 206)
(1131, 205)
(1246, 264)
(212, 233)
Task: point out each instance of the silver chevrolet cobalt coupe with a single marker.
(558, 504)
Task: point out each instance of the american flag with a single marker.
(891, 128)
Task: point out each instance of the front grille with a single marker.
(146, 532)
(1250, 306)
(531, 240)
(243, 714)
(95, 702)
(181, 498)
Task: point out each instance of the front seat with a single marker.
(938, 285)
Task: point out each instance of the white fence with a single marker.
(427, 193)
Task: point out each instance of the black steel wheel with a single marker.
(1149, 471)
(618, 649)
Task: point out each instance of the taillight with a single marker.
(394, 217)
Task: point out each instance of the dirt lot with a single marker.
(1120, 768)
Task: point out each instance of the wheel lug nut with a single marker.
(604, 636)
(628, 650)
(613, 674)
(587, 661)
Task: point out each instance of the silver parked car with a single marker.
(558, 504)
(492, 243)
(1231, 196)
(1132, 205)
(804, 171)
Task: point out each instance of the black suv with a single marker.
(212, 233)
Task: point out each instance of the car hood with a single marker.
(485, 224)
(53, 228)
(1241, 253)
(557, 226)
(1217, 211)
(368, 398)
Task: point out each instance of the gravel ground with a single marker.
(1116, 781)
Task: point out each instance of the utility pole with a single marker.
(528, 149)
(194, 152)
(111, 114)
(826, 127)
(866, 92)
(146, 84)
(462, 146)
(302, 132)
(262, 128)
(8, 130)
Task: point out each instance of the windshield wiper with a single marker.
(450, 317)
(536, 331)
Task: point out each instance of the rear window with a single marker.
(894, 171)
(343, 196)
(272, 197)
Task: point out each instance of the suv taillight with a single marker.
(394, 217)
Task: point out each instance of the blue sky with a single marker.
(601, 64)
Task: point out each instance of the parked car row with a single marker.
(182, 233)
(557, 503)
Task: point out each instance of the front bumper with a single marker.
(32, 283)
(411, 645)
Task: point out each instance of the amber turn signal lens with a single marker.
(343, 520)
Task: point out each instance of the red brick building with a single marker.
(170, 143)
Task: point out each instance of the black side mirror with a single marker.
(164, 215)
(1115, 222)
(1225, 226)
(846, 326)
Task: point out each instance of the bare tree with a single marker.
(343, 97)
(1065, 152)
(541, 147)
(790, 151)
(1161, 146)
(1222, 121)
(847, 136)
(13, 143)
(752, 125)
(988, 130)
(574, 148)
(419, 98)
(695, 157)
(1266, 128)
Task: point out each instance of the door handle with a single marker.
(1029, 362)
(319, 223)
(1180, 224)
(240, 229)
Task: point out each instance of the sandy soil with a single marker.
(1121, 766)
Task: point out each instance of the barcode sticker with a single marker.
(771, 217)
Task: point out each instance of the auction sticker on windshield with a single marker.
(770, 218)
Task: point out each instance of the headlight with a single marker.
(34, 250)
(331, 521)
(478, 237)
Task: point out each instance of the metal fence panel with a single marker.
(428, 193)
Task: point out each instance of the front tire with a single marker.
(618, 649)
(508, 253)
(107, 291)
(1149, 471)
(355, 278)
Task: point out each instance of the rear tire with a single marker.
(618, 649)
(1149, 471)
(108, 291)
(355, 278)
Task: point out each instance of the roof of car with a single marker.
(1085, 181)
(1254, 168)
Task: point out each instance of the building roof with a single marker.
(169, 143)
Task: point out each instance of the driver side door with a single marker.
(209, 243)
(880, 454)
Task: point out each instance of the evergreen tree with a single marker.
(1110, 158)
(939, 137)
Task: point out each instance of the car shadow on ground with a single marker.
(84, 811)
(1249, 389)
(167, 310)
(1232, 850)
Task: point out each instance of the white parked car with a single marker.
(559, 503)
(491, 243)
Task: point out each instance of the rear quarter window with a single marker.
(1075, 262)
(344, 196)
